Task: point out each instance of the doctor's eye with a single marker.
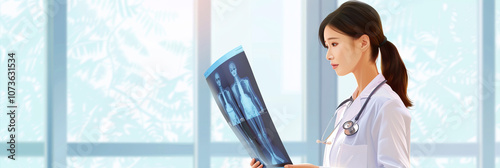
(335, 44)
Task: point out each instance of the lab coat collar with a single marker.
(369, 88)
(351, 112)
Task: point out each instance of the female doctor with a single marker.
(372, 127)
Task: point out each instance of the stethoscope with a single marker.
(350, 127)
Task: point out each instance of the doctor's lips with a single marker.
(334, 65)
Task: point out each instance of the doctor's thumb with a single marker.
(288, 166)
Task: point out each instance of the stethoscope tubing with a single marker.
(356, 119)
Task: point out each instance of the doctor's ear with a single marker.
(364, 42)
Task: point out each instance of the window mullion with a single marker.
(202, 32)
(486, 118)
(55, 146)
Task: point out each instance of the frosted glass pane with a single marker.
(130, 71)
(31, 162)
(118, 162)
(23, 31)
(442, 162)
(440, 55)
(271, 35)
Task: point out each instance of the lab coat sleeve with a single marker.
(391, 132)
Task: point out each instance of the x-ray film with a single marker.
(235, 91)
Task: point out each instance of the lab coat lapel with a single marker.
(354, 108)
(366, 92)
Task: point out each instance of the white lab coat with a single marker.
(383, 138)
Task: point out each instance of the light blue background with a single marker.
(131, 80)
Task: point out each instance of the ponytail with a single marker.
(394, 71)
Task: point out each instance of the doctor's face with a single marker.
(342, 52)
(232, 69)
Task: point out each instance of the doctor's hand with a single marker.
(301, 166)
(255, 164)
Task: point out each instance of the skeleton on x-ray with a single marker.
(235, 116)
(252, 107)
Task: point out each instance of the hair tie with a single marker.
(383, 42)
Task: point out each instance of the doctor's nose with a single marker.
(329, 56)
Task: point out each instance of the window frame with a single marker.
(318, 97)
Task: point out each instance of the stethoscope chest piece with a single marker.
(350, 128)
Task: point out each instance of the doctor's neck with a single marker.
(364, 73)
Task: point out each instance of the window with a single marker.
(271, 35)
(23, 32)
(128, 73)
(129, 84)
(130, 76)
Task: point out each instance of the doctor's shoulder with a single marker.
(387, 102)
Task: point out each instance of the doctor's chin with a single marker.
(249, 83)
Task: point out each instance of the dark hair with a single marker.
(355, 19)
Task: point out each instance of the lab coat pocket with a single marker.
(352, 156)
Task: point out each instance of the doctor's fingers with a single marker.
(255, 164)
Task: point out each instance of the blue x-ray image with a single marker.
(236, 93)
(244, 93)
(235, 118)
(251, 106)
(226, 98)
